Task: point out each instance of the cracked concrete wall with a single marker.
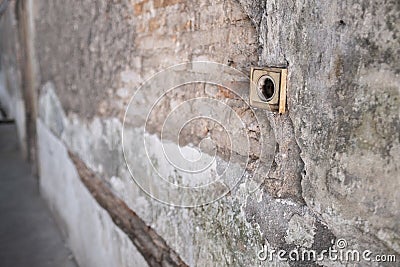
(344, 107)
(333, 167)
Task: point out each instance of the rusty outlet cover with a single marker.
(268, 88)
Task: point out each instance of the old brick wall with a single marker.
(329, 168)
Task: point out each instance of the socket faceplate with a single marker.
(268, 88)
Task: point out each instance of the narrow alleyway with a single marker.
(28, 233)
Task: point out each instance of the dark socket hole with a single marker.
(268, 89)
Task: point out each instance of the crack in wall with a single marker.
(284, 179)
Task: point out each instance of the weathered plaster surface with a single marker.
(89, 230)
(335, 171)
(328, 154)
(343, 99)
(221, 228)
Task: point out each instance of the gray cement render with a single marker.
(343, 100)
(90, 232)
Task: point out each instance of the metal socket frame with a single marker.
(268, 88)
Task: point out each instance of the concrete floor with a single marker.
(28, 233)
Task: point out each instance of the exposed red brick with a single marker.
(225, 93)
(164, 3)
(154, 24)
(139, 7)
